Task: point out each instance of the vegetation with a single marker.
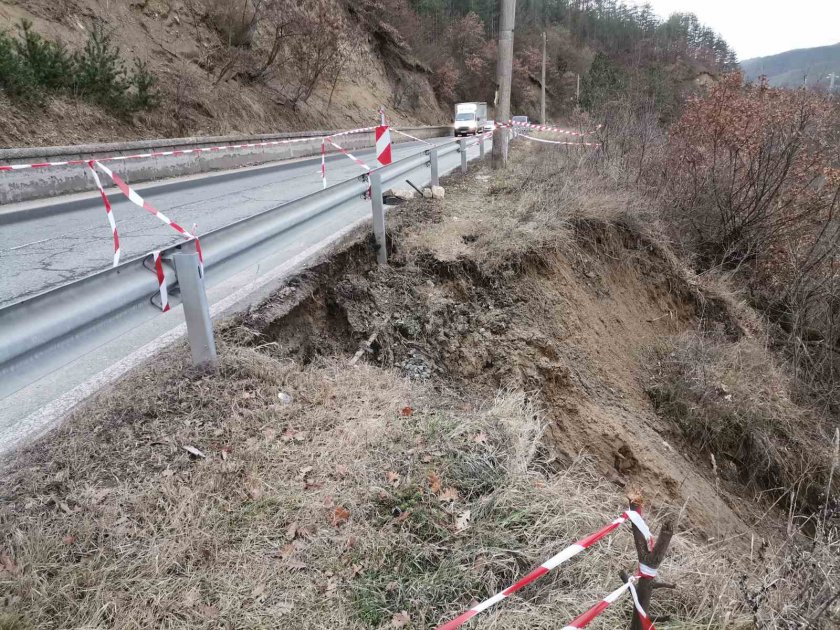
(31, 67)
(457, 40)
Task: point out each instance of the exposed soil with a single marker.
(569, 327)
(164, 34)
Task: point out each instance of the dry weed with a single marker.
(341, 508)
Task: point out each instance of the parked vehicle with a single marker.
(489, 125)
(469, 118)
(520, 119)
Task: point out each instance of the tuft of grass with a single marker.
(730, 399)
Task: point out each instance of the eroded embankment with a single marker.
(382, 446)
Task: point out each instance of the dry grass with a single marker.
(731, 399)
(113, 524)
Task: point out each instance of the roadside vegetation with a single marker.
(32, 68)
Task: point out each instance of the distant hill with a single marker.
(788, 69)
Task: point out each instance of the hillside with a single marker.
(210, 86)
(795, 67)
(214, 67)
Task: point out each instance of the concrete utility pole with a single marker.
(542, 83)
(504, 69)
(831, 78)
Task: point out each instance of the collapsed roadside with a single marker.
(381, 446)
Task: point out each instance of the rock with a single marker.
(400, 193)
(427, 193)
(437, 192)
(284, 398)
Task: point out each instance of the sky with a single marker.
(755, 28)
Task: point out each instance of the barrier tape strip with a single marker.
(552, 563)
(408, 135)
(561, 142)
(137, 200)
(161, 278)
(583, 620)
(513, 123)
(348, 154)
(108, 211)
(179, 152)
(324, 163)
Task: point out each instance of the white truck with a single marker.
(470, 118)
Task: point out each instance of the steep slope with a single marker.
(209, 86)
(795, 67)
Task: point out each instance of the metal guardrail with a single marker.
(49, 330)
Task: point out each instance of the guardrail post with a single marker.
(481, 147)
(463, 144)
(378, 217)
(433, 162)
(196, 309)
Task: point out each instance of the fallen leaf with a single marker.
(258, 591)
(426, 458)
(480, 438)
(393, 478)
(305, 471)
(65, 508)
(341, 471)
(400, 620)
(312, 485)
(208, 612)
(402, 516)
(291, 531)
(434, 483)
(190, 598)
(254, 489)
(8, 564)
(225, 453)
(340, 516)
(407, 411)
(329, 501)
(69, 539)
(449, 495)
(462, 521)
(283, 608)
(296, 565)
(355, 570)
(288, 435)
(192, 450)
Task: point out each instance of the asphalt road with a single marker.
(39, 396)
(61, 246)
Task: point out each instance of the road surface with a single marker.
(61, 246)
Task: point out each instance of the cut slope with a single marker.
(181, 50)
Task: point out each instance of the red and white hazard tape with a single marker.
(408, 135)
(552, 563)
(514, 123)
(348, 154)
(586, 618)
(576, 143)
(108, 211)
(161, 278)
(179, 152)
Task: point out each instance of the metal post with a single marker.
(542, 84)
(481, 147)
(433, 162)
(196, 309)
(378, 217)
(462, 143)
